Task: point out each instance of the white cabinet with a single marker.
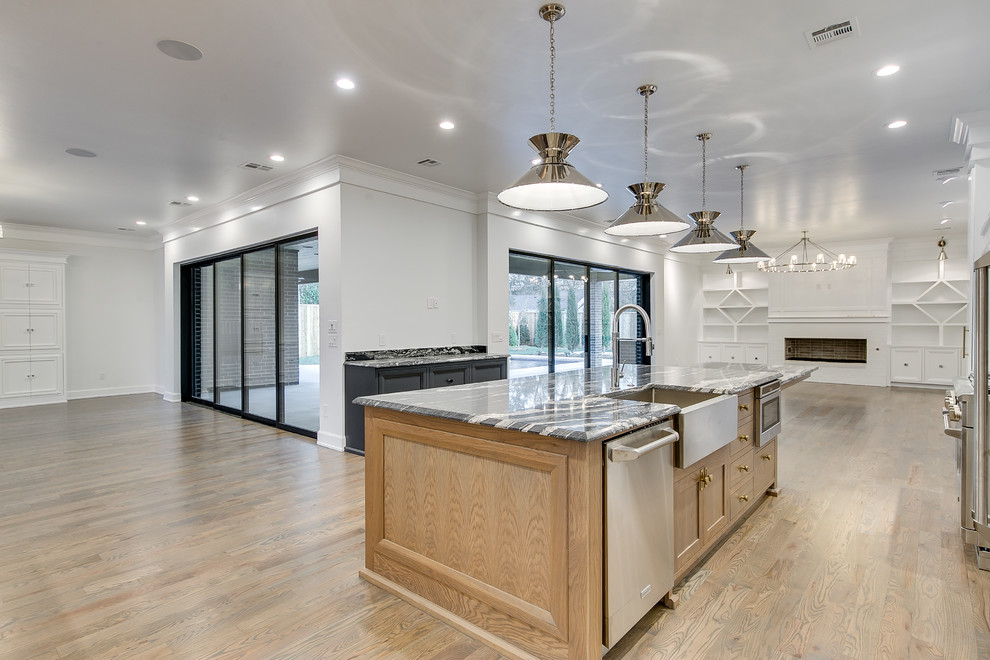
(732, 352)
(906, 365)
(919, 364)
(32, 328)
(941, 365)
(708, 352)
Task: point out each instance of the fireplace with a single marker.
(820, 349)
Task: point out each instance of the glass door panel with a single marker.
(260, 306)
(529, 315)
(630, 324)
(299, 343)
(602, 305)
(228, 329)
(202, 333)
(569, 322)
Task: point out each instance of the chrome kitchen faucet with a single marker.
(647, 340)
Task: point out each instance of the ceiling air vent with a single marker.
(428, 162)
(174, 203)
(952, 171)
(833, 32)
(257, 166)
(124, 229)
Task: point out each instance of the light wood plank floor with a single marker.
(134, 528)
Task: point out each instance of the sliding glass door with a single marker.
(560, 314)
(251, 334)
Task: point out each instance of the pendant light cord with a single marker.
(704, 169)
(646, 137)
(742, 171)
(553, 59)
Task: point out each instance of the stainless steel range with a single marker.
(958, 417)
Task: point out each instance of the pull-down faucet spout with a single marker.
(647, 340)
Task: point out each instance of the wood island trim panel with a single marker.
(500, 530)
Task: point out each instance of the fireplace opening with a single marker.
(845, 351)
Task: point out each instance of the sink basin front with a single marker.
(707, 421)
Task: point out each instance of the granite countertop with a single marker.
(417, 360)
(572, 405)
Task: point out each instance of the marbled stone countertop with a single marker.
(400, 360)
(571, 405)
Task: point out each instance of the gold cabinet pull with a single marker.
(703, 479)
(744, 498)
(743, 406)
(766, 457)
(744, 438)
(744, 468)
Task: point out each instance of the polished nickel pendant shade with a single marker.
(746, 252)
(553, 184)
(704, 237)
(646, 217)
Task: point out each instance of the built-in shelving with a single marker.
(929, 311)
(734, 317)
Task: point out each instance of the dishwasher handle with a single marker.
(623, 453)
(948, 430)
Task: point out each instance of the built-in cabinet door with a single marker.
(906, 365)
(30, 376)
(755, 353)
(446, 376)
(22, 330)
(941, 365)
(36, 284)
(709, 352)
(715, 498)
(687, 519)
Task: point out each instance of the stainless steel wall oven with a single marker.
(767, 413)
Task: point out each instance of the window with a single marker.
(560, 314)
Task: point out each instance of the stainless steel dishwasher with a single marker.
(639, 526)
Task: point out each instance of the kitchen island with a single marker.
(484, 502)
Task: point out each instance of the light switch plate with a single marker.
(497, 337)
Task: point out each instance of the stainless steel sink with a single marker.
(706, 422)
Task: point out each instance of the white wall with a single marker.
(682, 303)
(398, 252)
(111, 303)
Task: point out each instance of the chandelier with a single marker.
(798, 259)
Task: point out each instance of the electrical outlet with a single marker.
(333, 327)
(381, 339)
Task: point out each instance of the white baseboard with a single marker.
(171, 397)
(329, 440)
(110, 391)
(23, 401)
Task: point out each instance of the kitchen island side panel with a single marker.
(499, 530)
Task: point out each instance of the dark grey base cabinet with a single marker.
(366, 381)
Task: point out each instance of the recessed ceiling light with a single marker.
(256, 208)
(192, 198)
(140, 222)
(944, 220)
(82, 153)
(888, 70)
(898, 123)
(180, 50)
(447, 125)
(946, 203)
(345, 83)
(278, 158)
(194, 229)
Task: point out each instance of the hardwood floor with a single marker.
(134, 528)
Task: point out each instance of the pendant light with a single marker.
(746, 252)
(797, 259)
(942, 256)
(704, 237)
(553, 184)
(646, 217)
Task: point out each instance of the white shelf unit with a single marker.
(929, 310)
(734, 317)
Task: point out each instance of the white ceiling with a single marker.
(809, 122)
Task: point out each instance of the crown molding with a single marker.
(325, 173)
(16, 232)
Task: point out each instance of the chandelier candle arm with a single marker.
(646, 217)
(553, 184)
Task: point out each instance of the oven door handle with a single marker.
(948, 430)
(622, 453)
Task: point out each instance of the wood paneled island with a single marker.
(484, 502)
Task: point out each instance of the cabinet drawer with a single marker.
(709, 352)
(756, 353)
(941, 365)
(745, 437)
(401, 380)
(765, 468)
(485, 370)
(741, 468)
(733, 353)
(905, 365)
(449, 375)
(741, 499)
